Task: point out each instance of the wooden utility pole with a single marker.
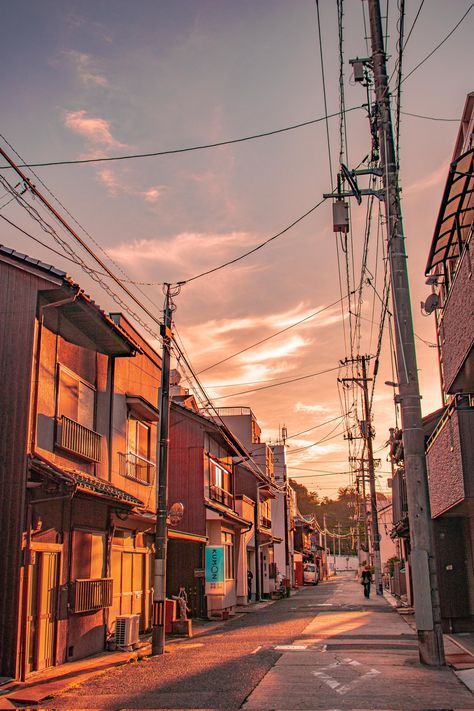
(422, 560)
(161, 533)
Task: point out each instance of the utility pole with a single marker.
(373, 495)
(339, 538)
(161, 533)
(422, 559)
(367, 434)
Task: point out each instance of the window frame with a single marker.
(61, 368)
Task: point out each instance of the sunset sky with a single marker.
(113, 77)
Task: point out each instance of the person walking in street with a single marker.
(366, 579)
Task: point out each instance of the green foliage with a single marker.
(390, 564)
(340, 513)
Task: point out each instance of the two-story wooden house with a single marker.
(202, 477)
(77, 474)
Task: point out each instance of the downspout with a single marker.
(29, 509)
(257, 551)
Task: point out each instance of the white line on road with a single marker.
(256, 650)
(291, 647)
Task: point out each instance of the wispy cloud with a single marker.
(153, 194)
(86, 68)
(437, 177)
(302, 407)
(177, 249)
(94, 129)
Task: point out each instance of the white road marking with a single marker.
(256, 650)
(291, 647)
(344, 688)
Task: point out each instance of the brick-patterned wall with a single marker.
(457, 326)
(445, 473)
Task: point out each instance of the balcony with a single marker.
(132, 466)
(265, 522)
(221, 495)
(79, 440)
(91, 594)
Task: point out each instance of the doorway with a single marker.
(42, 610)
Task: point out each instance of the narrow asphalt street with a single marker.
(324, 648)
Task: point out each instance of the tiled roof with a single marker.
(99, 486)
(85, 482)
(33, 262)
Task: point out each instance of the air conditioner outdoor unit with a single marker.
(126, 630)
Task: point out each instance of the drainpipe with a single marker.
(257, 552)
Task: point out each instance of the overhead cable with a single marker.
(173, 151)
(275, 385)
(254, 249)
(278, 333)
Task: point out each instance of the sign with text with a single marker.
(214, 570)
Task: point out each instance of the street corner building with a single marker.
(77, 469)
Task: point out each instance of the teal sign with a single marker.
(215, 570)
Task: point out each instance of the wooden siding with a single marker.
(18, 303)
(186, 469)
(138, 376)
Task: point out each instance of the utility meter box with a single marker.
(340, 216)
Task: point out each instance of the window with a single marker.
(76, 398)
(227, 540)
(75, 410)
(135, 462)
(220, 483)
(139, 438)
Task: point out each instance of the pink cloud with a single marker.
(94, 129)
(86, 68)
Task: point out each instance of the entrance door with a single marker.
(131, 593)
(43, 596)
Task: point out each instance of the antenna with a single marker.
(431, 303)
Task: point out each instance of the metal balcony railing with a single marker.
(265, 522)
(79, 439)
(221, 495)
(92, 594)
(132, 466)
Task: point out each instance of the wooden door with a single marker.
(131, 592)
(42, 615)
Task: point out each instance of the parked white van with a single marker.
(310, 574)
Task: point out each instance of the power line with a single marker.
(254, 249)
(430, 118)
(189, 149)
(310, 429)
(438, 45)
(285, 382)
(326, 438)
(278, 333)
(324, 92)
(70, 259)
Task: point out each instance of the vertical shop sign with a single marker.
(214, 570)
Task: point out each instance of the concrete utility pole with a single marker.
(373, 496)
(422, 560)
(161, 533)
(367, 434)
